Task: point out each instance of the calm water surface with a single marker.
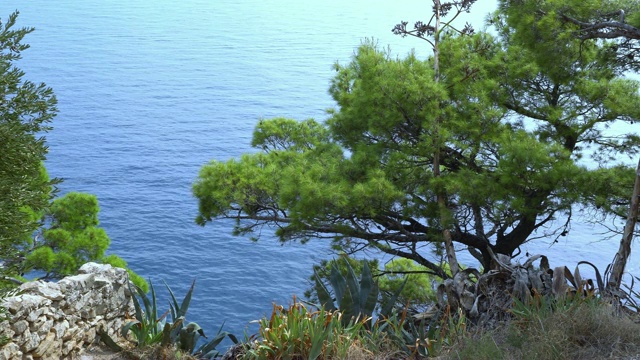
(149, 91)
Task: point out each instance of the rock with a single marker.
(25, 303)
(34, 315)
(60, 329)
(94, 268)
(20, 326)
(32, 340)
(55, 320)
(10, 351)
(76, 284)
(68, 347)
(45, 345)
(48, 290)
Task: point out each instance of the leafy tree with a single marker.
(26, 109)
(72, 239)
(511, 124)
(70, 236)
(616, 22)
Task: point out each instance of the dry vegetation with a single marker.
(589, 330)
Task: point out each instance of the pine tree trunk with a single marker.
(446, 234)
(620, 260)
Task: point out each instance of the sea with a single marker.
(149, 91)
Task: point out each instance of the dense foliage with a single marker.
(511, 126)
(26, 110)
(548, 24)
(70, 238)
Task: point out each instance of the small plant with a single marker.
(413, 285)
(412, 336)
(149, 329)
(424, 336)
(297, 332)
(186, 337)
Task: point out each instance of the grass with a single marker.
(587, 330)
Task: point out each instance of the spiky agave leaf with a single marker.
(208, 349)
(369, 292)
(324, 296)
(178, 310)
(339, 285)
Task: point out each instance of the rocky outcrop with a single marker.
(58, 320)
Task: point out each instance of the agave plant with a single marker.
(416, 337)
(356, 299)
(482, 297)
(186, 337)
(147, 327)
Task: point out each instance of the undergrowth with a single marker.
(591, 329)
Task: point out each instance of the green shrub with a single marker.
(417, 285)
(404, 278)
(300, 333)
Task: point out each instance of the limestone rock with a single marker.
(25, 303)
(20, 326)
(45, 345)
(10, 351)
(32, 340)
(45, 289)
(55, 320)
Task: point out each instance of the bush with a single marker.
(301, 332)
(411, 284)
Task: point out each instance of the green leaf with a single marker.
(324, 296)
(339, 285)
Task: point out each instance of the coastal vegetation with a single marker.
(494, 140)
(38, 231)
(487, 153)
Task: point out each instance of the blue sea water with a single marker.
(149, 91)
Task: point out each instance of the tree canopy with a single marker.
(615, 24)
(26, 110)
(511, 126)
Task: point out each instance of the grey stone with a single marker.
(48, 290)
(24, 303)
(20, 326)
(60, 329)
(68, 347)
(77, 283)
(94, 268)
(32, 341)
(10, 351)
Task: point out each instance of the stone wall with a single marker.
(58, 320)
